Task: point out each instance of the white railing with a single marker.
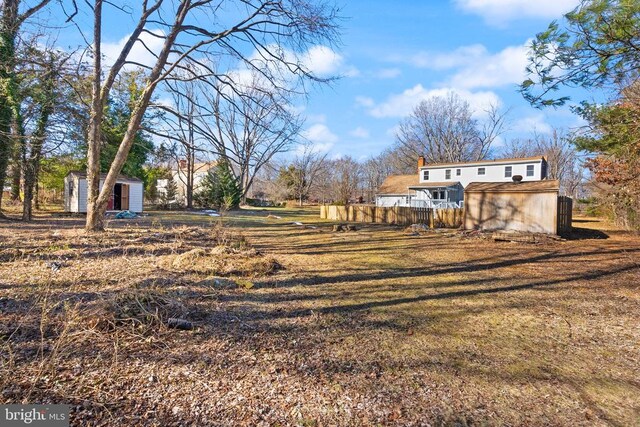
(432, 204)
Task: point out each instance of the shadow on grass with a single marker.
(578, 233)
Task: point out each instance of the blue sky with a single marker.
(393, 54)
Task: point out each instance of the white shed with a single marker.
(127, 193)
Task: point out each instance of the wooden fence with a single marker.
(435, 218)
(565, 217)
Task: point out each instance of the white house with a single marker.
(127, 193)
(441, 185)
(179, 175)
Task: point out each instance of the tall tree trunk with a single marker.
(191, 155)
(8, 29)
(190, 173)
(16, 171)
(36, 193)
(31, 164)
(95, 221)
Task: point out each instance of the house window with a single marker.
(458, 172)
(508, 171)
(481, 171)
(70, 188)
(447, 174)
(425, 175)
(530, 170)
(438, 195)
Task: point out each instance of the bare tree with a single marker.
(442, 129)
(267, 184)
(249, 129)
(263, 32)
(374, 172)
(564, 162)
(11, 128)
(187, 145)
(518, 148)
(308, 165)
(347, 174)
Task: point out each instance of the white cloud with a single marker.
(360, 132)
(532, 124)
(499, 12)
(475, 67)
(401, 105)
(322, 60)
(321, 137)
(139, 53)
(319, 60)
(506, 67)
(462, 56)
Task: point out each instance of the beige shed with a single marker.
(530, 206)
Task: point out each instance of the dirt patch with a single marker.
(223, 261)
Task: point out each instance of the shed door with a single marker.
(124, 197)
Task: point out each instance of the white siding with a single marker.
(136, 192)
(493, 172)
(180, 179)
(387, 201)
(422, 195)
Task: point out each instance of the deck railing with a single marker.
(432, 204)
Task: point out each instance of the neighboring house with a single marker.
(127, 193)
(179, 175)
(441, 185)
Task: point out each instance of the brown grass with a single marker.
(308, 327)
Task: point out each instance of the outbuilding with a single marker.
(127, 193)
(532, 206)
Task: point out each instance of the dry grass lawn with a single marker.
(302, 326)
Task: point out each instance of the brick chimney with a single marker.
(183, 164)
(421, 162)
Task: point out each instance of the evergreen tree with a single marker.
(209, 194)
(168, 197)
(229, 186)
(220, 189)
